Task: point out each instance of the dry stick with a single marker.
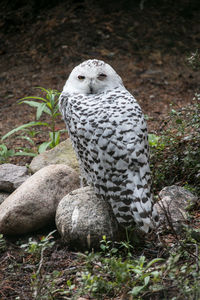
(40, 265)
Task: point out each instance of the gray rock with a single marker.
(82, 219)
(12, 176)
(174, 203)
(63, 153)
(3, 196)
(33, 205)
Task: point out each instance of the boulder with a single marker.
(33, 204)
(12, 176)
(63, 153)
(82, 219)
(174, 203)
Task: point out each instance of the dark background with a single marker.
(147, 42)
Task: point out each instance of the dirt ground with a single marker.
(148, 47)
(40, 44)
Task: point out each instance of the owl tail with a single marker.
(142, 206)
(132, 202)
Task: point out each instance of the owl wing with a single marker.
(119, 150)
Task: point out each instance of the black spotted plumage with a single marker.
(109, 135)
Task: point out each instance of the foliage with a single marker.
(183, 265)
(6, 153)
(44, 105)
(111, 273)
(34, 247)
(108, 274)
(175, 152)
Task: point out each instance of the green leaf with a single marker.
(56, 114)
(136, 290)
(52, 135)
(42, 89)
(103, 247)
(176, 258)
(32, 97)
(50, 106)
(57, 137)
(179, 121)
(40, 110)
(173, 112)
(44, 146)
(153, 261)
(4, 148)
(31, 132)
(156, 287)
(146, 280)
(22, 127)
(39, 106)
(153, 140)
(137, 271)
(11, 152)
(155, 274)
(32, 103)
(142, 261)
(5, 153)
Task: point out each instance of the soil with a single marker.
(148, 47)
(147, 43)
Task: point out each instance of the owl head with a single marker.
(92, 77)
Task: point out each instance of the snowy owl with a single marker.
(109, 135)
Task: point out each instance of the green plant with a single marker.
(107, 247)
(182, 269)
(175, 152)
(108, 274)
(36, 248)
(5, 154)
(155, 141)
(44, 105)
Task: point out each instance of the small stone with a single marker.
(12, 176)
(175, 201)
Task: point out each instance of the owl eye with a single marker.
(80, 77)
(102, 76)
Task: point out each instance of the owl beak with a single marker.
(91, 87)
(91, 90)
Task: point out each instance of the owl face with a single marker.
(92, 77)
